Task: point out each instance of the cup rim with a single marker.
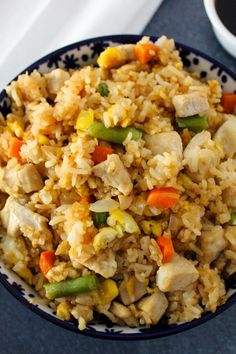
(215, 19)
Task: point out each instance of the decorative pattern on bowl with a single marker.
(75, 56)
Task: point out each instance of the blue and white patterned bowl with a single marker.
(75, 56)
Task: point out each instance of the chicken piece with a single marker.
(212, 243)
(153, 307)
(114, 174)
(165, 142)
(29, 178)
(9, 220)
(131, 290)
(16, 178)
(55, 80)
(104, 263)
(124, 314)
(176, 274)
(200, 155)
(113, 57)
(18, 219)
(226, 137)
(190, 103)
(229, 196)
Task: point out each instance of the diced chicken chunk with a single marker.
(200, 154)
(29, 178)
(123, 313)
(176, 274)
(229, 196)
(104, 263)
(212, 243)
(15, 178)
(114, 174)
(18, 219)
(165, 142)
(190, 104)
(55, 80)
(153, 307)
(131, 291)
(226, 137)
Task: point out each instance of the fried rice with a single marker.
(100, 211)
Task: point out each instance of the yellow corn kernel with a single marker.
(103, 238)
(123, 221)
(130, 286)
(107, 291)
(151, 227)
(85, 119)
(74, 139)
(63, 311)
(146, 226)
(186, 206)
(156, 228)
(16, 129)
(42, 139)
(110, 58)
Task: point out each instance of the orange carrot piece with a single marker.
(100, 153)
(146, 52)
(229, 102)
(14, 146)
(167, 248)
(163, 198)
(46, 261)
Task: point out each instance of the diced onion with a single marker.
(104, 205)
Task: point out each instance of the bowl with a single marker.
(75, 56)
(225, 37)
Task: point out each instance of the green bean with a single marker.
(232, 220)
(99, 219)
(114, 135)
(70, 287)
(194, 123)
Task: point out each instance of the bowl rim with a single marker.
(120, 38)
(215, 19)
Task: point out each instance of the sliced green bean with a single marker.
(194, 123)
(99, 219)
(232, 220)
(114, 135)
(70, 287)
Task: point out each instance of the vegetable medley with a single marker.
(118, 187)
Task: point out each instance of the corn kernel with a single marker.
(156, 228)
(42, 139)
(16, 129)
(107, 291)
(63, 311)
(186, 206)
(123, 221)
(85, 119)
(151, 227)
(110, 58)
